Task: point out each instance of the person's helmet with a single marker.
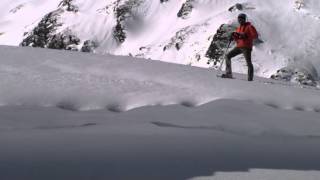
(242, 16)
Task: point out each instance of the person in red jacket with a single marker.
(244, 36)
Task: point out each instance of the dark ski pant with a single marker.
(247, 55)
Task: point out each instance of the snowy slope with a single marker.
(78, 81)
(264, 174)
(154, 29)
(70, 115)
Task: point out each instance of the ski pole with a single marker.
(220, 67)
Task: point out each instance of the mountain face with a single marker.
(192, 32)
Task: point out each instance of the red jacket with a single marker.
(250, 34)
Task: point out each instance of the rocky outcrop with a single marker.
(119, 33)
(162, 1)
(186, 9)
(241, 7)
(45, 35)
(123, 13)
(180, 37)
(41, 35)
(65, 40)
(219, 44)
(68, 5)
(89, 46)
(236, 7)
(296, 74)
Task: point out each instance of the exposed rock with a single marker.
(297, 75)
(65, 40)
(108, 9)
(241, 7)
(118, 33)
(144, 51)
(236, 7)
(179, 39)
(123, 13)
(219, 44)
(89, 46)
(186, 9)
(43, 32)
(68, 6)
(162, 1)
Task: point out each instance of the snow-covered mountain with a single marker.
(192, 32)
(105, 115)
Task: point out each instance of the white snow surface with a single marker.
(263, 174)
(290, 35)
(88, 82)
(68, 115)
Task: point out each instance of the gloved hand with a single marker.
(242, 35)
(237, 35)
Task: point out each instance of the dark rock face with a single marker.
(241, 7)
(179, 39)
(89, 46)
(236, 7)
(186, 9)
(68, 6)
(66, 41)
(123, 13)
(118, 33)
(219, 44)
(42, 34)
(296, 75)
(162, 1)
